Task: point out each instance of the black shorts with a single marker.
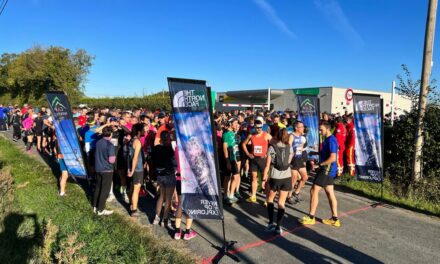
(234, 169)
(179, 187)
(281, 184)
(257, 164)
(323, 179)
(28, 133)
(138, 177)
(297, 163)
(38, 132)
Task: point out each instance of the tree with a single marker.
(30, 74)
(411, 89)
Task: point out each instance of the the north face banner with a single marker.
(368, 144)
(66, 133)
(199, 173)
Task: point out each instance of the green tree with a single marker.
(30, 74)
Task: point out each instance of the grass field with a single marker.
(372, 190)
(38, 226)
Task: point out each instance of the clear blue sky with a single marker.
(233, 44)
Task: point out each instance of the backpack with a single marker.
(281, 157)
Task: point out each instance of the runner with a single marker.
(104, 159)
(231, 154)
(259, 141)
(28, 127)
(298, 143)
(325, 178)
(136, 168)
(16, 124)
(39, 121)
(164, 162)
(161, 127)
(279, 158)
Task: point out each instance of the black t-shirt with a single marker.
(163, 157)
(39, 123)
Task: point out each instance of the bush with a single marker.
(399, 151)
(151, 102)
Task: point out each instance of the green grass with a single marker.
(113, 239)
(373, 190)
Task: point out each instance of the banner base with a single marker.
(227, 245)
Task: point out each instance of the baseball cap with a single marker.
(161, 115)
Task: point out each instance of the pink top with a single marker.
(28, 123)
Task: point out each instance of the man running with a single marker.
(325, 178)
(259, 142)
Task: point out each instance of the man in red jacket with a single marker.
(349, 144)
(340, 134)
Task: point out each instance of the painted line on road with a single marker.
(264, 241)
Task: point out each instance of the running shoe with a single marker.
(238, 195)
(126, 199)
(279, 230)
(265, 204)
(296, 197)
(332, 222)
(189, 235)
(105, 212)
(270, 228)
(94, 210)
(232, 199)
(178, 234)
(307, 220)
(252, 199)
(134, 213)
(111, 197)
(156, 220)
(290, 200)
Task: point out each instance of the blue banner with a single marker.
(66, 134)
(368, 144)
(194, 133)
(308, 113)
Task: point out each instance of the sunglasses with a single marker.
(259, 127)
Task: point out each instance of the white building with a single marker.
(332, 99)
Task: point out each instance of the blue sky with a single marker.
(233, 44)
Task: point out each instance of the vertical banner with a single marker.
(192, 122)
(308, 113)
(368, 143)
(66, 133)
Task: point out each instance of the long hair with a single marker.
(283, 136)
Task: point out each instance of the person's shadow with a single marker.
(16, 244)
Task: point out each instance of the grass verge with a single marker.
(40, 227)
(372, 190)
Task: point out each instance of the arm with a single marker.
(111, 155)
(99, 129)
(244, 147)
(330, 160)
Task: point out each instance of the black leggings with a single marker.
(102, 189)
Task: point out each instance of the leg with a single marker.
(63, 181)
(98, 188)
(314, 199)
(294, 180)
(135, 196)
(106, 184)
(270, 206)
(160, 200)
(168, 195)
(39, 143)
(254, 183)
(329, 190)
(281, 202)
(302, 182)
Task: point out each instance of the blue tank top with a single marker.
(297, 146)
(140, 161)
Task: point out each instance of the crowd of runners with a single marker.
(127, 151)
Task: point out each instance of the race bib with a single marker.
(298, 151)
(235, 148)
(258, 149)
(87, 146)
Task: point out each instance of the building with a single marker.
(331, 99)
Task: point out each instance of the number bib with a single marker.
(258, 149)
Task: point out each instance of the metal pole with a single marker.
(393, 89)
(424, 89)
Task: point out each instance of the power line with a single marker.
(4, 5)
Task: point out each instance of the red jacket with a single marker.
(350, 135)
(340, 134)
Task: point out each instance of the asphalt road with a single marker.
(382, 234)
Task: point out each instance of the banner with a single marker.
(368, 144)
(308, 113)
(66, 133)
(194, 133)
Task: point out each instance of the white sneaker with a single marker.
(105, 212)
(156, 220)
(111, 197)
(94, 210)
(126, 199)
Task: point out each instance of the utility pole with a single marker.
(424, 85)
(393, 101)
